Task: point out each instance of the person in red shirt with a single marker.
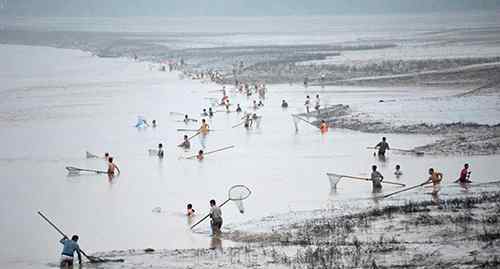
(464, 175)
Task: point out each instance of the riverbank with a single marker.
(460, 231)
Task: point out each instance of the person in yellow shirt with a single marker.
(204, 128)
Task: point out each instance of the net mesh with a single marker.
(72, 169)
(237, 194)
(90, 155)
(334, 180)
(239, 205)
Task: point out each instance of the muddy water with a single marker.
(56, 104)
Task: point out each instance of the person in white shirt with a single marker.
(307, 103)
(376, 178)
(216, 218)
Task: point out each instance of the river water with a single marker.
(56, 104)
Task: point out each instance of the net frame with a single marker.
(237, 194)
(238, 197)
(72, 169)
(231, 197)
(90, 155)
(334, 179)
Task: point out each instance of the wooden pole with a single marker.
(210, 152)
(368, 179)
(302, 119)
(92, 259)
(407, 189)
(204, 218)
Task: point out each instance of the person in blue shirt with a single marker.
(69, 248)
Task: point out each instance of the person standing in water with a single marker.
(247, 121)
(376, 178)
(190, 210)
(436, 178)
(284, 104)
(200, 155)
(112, 167)
(185, 144)
(464, 175)
(318, 101)
(398, 171)
(216, 218)
(238, 108)
(204, 128)
(69, 249)
(161, 153)
(382, 146)
(210, 112)
(323, 127)
(307, 103)
(255, 106)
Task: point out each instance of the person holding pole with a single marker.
(382, 147)
(69, 249)
(216, 218)
(436, 178)
(186, 144)
(376, 178)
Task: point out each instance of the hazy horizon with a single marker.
(177, 8)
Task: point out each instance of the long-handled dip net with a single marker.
(237, 194)
(334, 179)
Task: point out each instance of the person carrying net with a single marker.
(216, 218)
(237, 194)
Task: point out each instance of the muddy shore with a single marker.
(343, 63)
(454, 138)
(459, 232)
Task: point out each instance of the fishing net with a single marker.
(237, 194)
(140, 121)
(153, 151)
(91, 156)
(72, 169)
(239, 205)
(334, 179)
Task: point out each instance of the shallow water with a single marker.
(56, 104)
